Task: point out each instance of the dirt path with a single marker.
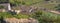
(21, 20)
(56, 12)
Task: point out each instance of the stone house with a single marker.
(3, 9)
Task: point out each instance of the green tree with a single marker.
(57, 7)
(4, 1)
(16, 2)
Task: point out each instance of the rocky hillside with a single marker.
(14, 20)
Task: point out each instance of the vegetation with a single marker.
(15, 2)
(4, 1)
(41, 16)
(45, 17)
(24, 2)
(1, 7)
(57, 7)
(9, 15)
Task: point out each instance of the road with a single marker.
(56, 12)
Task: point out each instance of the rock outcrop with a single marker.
(14, 20)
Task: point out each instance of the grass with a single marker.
(21, 16)
(5, 15)
(46, 17)
(43, 17)
(8, 15)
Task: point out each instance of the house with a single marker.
(6, 7)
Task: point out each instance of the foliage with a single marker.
(15, 2)
(57, 7)
(1, 7)
(45, 17)
(19, 2)
(21, 16)
(24, 2)
(47, 0)
(41, 16)
(4, 1)
(12, 13)
(5, 15)
(9, 15)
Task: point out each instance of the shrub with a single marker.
(57, 7)
(8, 15)
(45, 17)
(1, 7)
(5, 15)
(47, 0)
(21, 16)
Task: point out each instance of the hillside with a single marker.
(30, 11)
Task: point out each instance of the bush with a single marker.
(57, 7)
(9, 15)
(45, 17)
(4, 1)
(21, 16)
(1, 7)
(47, 0)
(5, 15)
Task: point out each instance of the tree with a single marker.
(58, 7)
(16, 2)
(4, 1)
(47, 0)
